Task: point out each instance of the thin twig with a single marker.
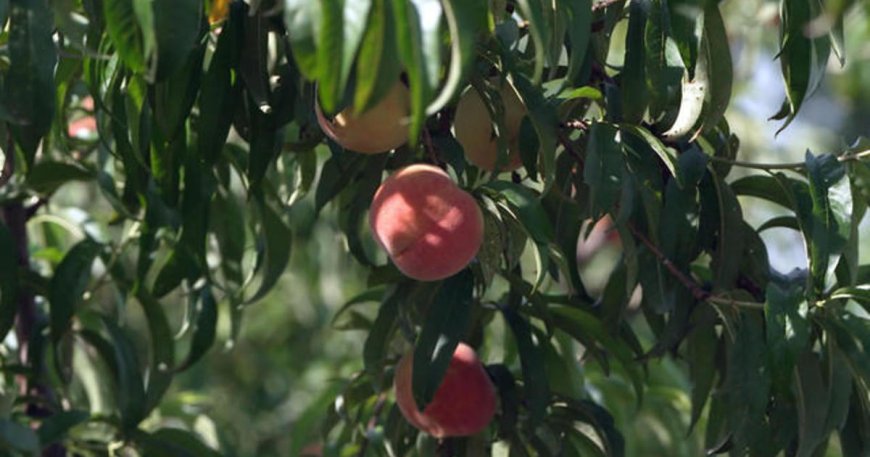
(566, 143)
(430, 148)
(603, 4)
(797, 166)
(32, 209)
(576, 124)
(697, 291)
(373, 422)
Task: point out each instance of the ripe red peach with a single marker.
(474, 131)
(381, 128)
(464, 403)
(430, 228)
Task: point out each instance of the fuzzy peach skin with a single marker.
(473, 129)
(464, 403)
(381, 128)
(430, 228)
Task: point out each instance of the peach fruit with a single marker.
(381, 128)
(429, 227)
(464, 403)
(473, 128)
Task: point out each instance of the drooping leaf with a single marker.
(603, 169)
(46, 177)
(69, 283)
(465, 20)
(787, 326)
(747, 382)
(29, 96)
(172, 442)
(377, 69)
(275, 239)
(446, 324)
(535, 383)
(178, 28)
(124, 32)
(803, 57)
(18, 438)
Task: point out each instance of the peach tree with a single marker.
(203, 134)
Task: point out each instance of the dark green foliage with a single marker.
(205, 168)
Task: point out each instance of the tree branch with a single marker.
(9, 162)
(697, 291)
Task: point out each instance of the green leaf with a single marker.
(702, 342)
(46, 177)
(337, 173)
(178, 27)
(204, 327)
(787, 326)
(69, 283)
(303, 18)
(162, 363)
(381, 332)
(747, 383)
(120, 354)
(377, 69)
(545, 120)
(825, 216)
(635, 95)
(331, 54)
(716, 60)
(535, 385)
(687, 21)
(768, 188)
(29, 97)
(530, 213)
(124, 33)
(533, 12)
(55, 427)
(789, 222)
(172, 442)
(8, 280)
(730, 236)
(812, 400)
(528, 207)
(417, 34)
(273, 252)
(465, 21)
(860, 294)
(603, 168)
(803, 57)
(855, 434)
(446, 324)
(221, 90)
(18, 437)
(583, 326)
(579, 34)
(4, 13)
(666, 154)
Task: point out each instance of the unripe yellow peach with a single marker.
(474, 130)
(381, 128)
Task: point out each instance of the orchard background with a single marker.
(187, 268)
